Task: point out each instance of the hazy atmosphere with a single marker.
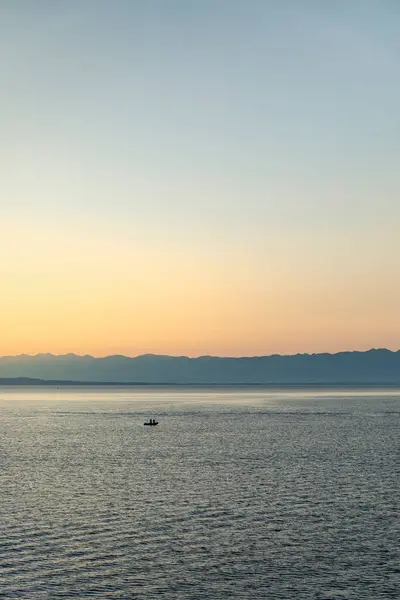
(196, 178)
(200, 292)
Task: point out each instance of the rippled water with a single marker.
(236, 494)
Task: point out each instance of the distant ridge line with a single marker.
(201, 356)
(375, 366)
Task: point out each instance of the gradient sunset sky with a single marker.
(199, 176)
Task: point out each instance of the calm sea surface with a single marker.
(238, 493)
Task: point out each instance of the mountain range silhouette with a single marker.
(372, 366)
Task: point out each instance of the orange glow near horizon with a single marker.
(105, 297)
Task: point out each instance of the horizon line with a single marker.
(36, 381)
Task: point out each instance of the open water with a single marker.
(237, 493)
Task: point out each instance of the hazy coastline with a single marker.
(372, 367)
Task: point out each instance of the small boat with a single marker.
(151, 423)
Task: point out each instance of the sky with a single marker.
(196, 177)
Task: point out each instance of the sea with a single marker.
(276, 493)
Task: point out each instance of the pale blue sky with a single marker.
(263, 129)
